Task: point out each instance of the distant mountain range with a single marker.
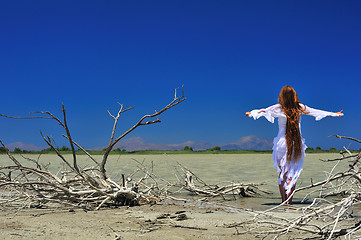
(248, 142)
(24, 146)
(137, 143)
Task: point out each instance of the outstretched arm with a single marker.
(319, 114)
(269, 113)
(248, 114)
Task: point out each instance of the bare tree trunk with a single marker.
(141, 122)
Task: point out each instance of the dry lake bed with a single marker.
(163, 221)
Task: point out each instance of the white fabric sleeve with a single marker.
(319, 114)
(269, 113)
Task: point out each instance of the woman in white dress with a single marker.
(289, 162)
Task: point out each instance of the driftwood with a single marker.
(329, 216)
(89, 188)
(195, 185)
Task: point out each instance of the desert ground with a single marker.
(160, 221)
(193, 219)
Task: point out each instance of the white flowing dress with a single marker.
(292, 169)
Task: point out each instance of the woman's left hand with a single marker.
(340, 114)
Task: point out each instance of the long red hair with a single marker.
(291, 107)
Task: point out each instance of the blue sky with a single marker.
(231, 57)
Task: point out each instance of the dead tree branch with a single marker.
(196, 185)
(174, 102)
(344, 137)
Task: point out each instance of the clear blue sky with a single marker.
(231, 57)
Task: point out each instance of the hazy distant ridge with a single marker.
(137, 143)
(24, 146)
(247, 142)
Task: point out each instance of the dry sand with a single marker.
(143, 222)
(161, 221)
(168, 221)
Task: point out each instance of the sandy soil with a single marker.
(167, 221)
(143, 222)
